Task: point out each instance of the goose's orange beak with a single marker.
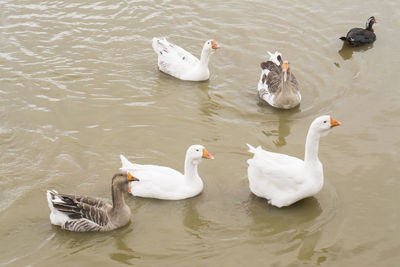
(285, 65)
(207, 155)
(214, 45)
(131, 178)
(334, 122)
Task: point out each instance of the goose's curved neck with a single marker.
(118, 200)
(190, 169)
(286, 78)
(205, 58)
(312, 146)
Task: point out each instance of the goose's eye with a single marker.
(324, 121)
(197, 150)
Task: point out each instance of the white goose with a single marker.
(166, 183)
(278, 85)
(179, 63)
(283, 179)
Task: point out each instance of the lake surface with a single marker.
(79, 86)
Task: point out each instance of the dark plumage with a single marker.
(359, 36)
(85, 214)
(277, 85)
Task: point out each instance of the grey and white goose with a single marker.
(278, 85)
(359, 36)
(87, 214)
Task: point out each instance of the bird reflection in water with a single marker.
(124, 253)
(192, 220)
(272, 220)
(347, 52)
(300, 224)
(208, 106)
(283, 130)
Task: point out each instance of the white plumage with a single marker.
(181, 64)
(283, 179)
(164, 182)
(56, 217)
(274, 57)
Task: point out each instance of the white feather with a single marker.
(262, 85)
(251, 149)
(283, 179)
(274, 57)
(56, 217)
(164, 182)
(181, 64)
(126, 164)
(269, 98)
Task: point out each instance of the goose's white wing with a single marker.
(279, 168)
(273, 175)
(173, 59)
(154, 181)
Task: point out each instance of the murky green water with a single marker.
(79, 86)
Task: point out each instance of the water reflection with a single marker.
(208, 106)
(192, 220)
(125, 253)
(268, 220)
(76, 242)
(299, 224)
(283, 130)
(308, 241)
(347, 52)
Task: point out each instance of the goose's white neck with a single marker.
(312, 146)
(205, 58)
(191, 169)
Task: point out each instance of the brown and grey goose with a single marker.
(277, 85)
(359, 36)
(86, 214)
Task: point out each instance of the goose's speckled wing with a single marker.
(86, 213)
(173, 59)
(273, 78)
